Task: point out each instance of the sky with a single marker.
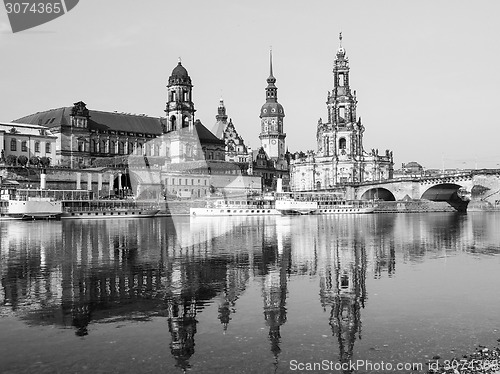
(426, 73)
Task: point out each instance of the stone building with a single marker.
(235, 148)
(84, 135)
(18, 139)
(340, 157)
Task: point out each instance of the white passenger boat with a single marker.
(345, 207)
(237, 207)
(108, 209)
(28, 205)
(287, 203)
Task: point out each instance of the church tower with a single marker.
(180, 108)
(347, 140)
(182, 142)
(271, 136)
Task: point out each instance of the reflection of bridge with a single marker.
(483, 184)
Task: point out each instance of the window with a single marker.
(130, 149)
(121, 148)
(342, 143)
(81, 146)
(37, 147)
(342, 114)
(112, 147)
(13, 145)
(24, 146)
(341, 80)
(47, 147)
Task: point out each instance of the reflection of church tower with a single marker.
(271, 136)
(274, 291)
(236, 281)
(343, 288)
(182, 327)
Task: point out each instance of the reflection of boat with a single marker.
(287, 203)
(236, 207)
(28, 204)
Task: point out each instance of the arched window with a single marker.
(103, 146)
(172, 123)
(139, 149)
(112, 147)
(342, 114)
(47, 147)
(130, 149)
(13, 145)
(156, 150)
(148, 149)
(121, 148)
(24, 146)
(92, 145)
(185, 121)
(37, 147)
(342, 143)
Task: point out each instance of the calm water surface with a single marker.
(246, 295)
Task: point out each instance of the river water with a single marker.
(247, 294)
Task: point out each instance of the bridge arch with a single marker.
(378, 193)
(442, 192)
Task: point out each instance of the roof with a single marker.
(179, 76)
(102, 121)
(25, 129)
(205, 135)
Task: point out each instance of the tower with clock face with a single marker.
(272, 137)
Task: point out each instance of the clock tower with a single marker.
(272, 137)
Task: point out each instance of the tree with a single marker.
(35, 161)
(11, 160)
(45, 161)
(22, 160)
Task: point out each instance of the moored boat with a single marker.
(108, 209)
(289, 204)
(236, 207)
(27, 204)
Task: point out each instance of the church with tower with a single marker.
(270, 161)
(340, 157)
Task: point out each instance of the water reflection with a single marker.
(77, 273)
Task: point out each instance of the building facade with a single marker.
(340, 157)
(18, 139)
(235, 148)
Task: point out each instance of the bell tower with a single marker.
(180, 108)
(348, 133)
(272, 137)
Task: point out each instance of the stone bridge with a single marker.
(480, 185)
